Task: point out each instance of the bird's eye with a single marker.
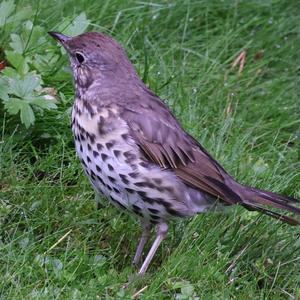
(79, 57)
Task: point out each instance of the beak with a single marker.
(59, 37)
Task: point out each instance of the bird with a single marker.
(137, 154)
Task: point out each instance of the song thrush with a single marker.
(136, 153)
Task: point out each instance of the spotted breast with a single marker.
(116, 168)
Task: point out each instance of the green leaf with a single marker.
(33, 35)
(14, 58)
(6, 8)
(17, 43)
(24, 88)
(24, 13)
(4, 89)
(43, 103)
(27, 115)
(14, 105)
(31, 82)
(187, 290)
(75, 27)
(41, 62)
(10, 73)
(18, 61)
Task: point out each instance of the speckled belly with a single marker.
(117, 169)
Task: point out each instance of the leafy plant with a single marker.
(184, 290)
(8, 16)
(74, 26)
(24, 94)
(21, 84)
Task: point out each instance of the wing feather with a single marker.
(165, 143)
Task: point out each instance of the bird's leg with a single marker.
(161, 233)
(142, 242)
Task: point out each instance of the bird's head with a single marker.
(94, 57)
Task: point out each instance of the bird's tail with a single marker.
(255, 199)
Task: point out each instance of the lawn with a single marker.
(55, 244)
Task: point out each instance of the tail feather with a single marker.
(255, 199)
(284, 199)
(272, 214)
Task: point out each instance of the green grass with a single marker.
(54, 244)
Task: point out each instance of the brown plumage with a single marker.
(136, 153)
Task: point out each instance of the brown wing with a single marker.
(165, 143)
